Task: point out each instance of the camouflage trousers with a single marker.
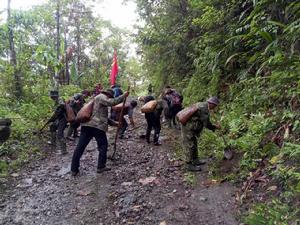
(57, 132)
(189, 143)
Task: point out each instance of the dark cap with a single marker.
(108, 92)
(133, 103)
(213, 100)
(77, 96)
(53, 93)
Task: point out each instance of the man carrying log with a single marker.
(191, 129)
(96, 128)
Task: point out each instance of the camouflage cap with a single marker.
(213, 100)
(109, 92)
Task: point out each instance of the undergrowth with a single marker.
(28, 116)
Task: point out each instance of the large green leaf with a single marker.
(232, 57)
(277, 23)
(267, 36)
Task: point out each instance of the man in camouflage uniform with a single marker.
(76, 104)
(96, 128)
(191, 131)
(58, 122)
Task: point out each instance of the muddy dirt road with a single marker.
(147, 185)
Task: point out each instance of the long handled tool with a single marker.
(135, 128)
(119, 126)
(42, 129)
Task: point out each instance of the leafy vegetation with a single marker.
(247, 53)
(69, 52)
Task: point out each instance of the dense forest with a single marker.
(246, 52)
(60, 45)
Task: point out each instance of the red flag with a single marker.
(114, 69)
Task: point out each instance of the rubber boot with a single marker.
(62, 146)
(199, 162)
(193, 168)
(147, 136)
(52, 141)
(156, 137)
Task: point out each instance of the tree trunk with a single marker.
(13, 57)
(78, 47)
(56, 76)
(67, 73)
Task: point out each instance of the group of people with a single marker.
(96, 127)
(59, 119)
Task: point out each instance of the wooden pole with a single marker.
(119, 125)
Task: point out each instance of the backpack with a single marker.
(175, 98)
(149, 106)
(85, 113)
(184, 115)
(70, 113)
(119, 107)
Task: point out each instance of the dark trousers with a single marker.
(86, 135)
(113, 115)
(170, 113)
(153, 122)
(73, 129)
(124, 126)
(57, 129)
(59, 126)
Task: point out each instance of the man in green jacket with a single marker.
(76, 104)
(58, 122)
(96, 127)
(191, 131)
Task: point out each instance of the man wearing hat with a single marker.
(76, 104)
(117, 90)
(128, 110)
(191, 131)
(96, 128)
(58, 122)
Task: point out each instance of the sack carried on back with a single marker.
(70, 113)
(119, 107)
(85, 113)
(184, 115)
(149, 106)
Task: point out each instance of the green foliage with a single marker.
(275, 212)
(246, 53)
(42, 68)
(190, 178)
